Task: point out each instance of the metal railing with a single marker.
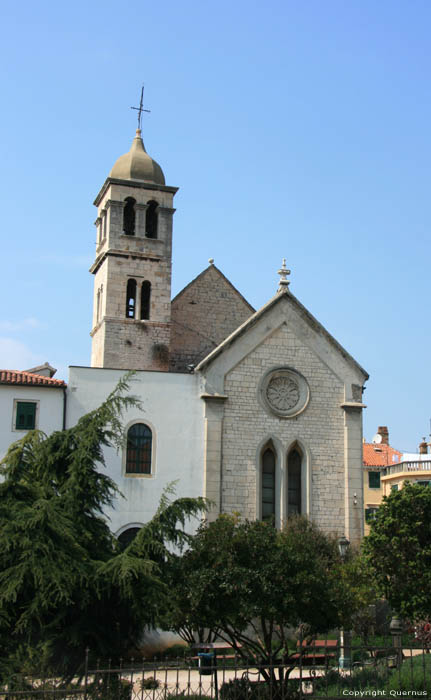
(311, 671)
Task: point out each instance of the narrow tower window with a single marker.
(131, 299)
(151, 220)
(268, 485)
(294, 463)
(145, 300)
(129, 216)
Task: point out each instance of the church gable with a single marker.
(203, 314)
(284, 308)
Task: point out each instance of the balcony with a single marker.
(406, 467)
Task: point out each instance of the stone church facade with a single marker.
(260, 411)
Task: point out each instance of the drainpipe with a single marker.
(64, 407)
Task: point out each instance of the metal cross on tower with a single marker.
(140, 109)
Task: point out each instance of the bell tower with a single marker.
(132, 269)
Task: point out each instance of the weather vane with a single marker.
(140, 109)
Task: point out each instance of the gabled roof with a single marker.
(15, 377)
(205, 272)
(379, 455)
(277, 299)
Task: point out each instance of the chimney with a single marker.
(384, 433)
(423, 447)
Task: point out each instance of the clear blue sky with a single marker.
(295, 129)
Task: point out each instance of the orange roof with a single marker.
(380, 455)
(12, 376)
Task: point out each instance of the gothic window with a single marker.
(139, 446)
(294, 464)
(151, 220)
(268, 484)
(131, 299)
(129, 216)
(145, 300)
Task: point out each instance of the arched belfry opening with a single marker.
(152, 216)
(294, 481)
(145, 300)
(129, 216)
(131, 299)
(268, 486)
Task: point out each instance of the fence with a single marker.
(318, 670)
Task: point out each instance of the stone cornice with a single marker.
(121, 254)
(137, 184)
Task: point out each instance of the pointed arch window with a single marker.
(268, 484)
(131, 299)
(151, 219)
(294, 485)
(145, 300)
(139, 448)
(129, 216)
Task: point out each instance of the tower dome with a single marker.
(137, 164)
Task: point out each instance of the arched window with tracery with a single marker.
(268, 484)
(139, 449)
(129, 216)
(151, 219)
(294, 486)
(131, 299)
(145, 300)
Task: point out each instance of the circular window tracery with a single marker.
(284, 391)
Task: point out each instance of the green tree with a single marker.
(65, 584)
(252, 585)
(398, 550)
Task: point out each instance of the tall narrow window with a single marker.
(268, 485)
(151, 220)
(294, 463)
(139, 444)
(145, 300)
(98, 306)
(129, 216)
(131, 299)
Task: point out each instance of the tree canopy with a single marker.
(251, 585)
(398, 550)
(65, 583)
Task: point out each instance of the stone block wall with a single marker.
(247, 425)
(203, 315)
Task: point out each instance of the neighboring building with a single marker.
(387, 469)
(377, 456)
(260, 411)
(30, 399)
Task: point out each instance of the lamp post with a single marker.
(344, 660)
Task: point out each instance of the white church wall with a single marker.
(49, 411)
(171, 407)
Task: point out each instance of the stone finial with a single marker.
(283, 272)
(211, 261)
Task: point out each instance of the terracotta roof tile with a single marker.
(379, 455)
(12, 376)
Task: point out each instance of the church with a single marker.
(259, 411)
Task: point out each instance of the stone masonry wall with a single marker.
(203, 315)
(319, 428)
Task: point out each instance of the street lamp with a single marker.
(344, 660)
